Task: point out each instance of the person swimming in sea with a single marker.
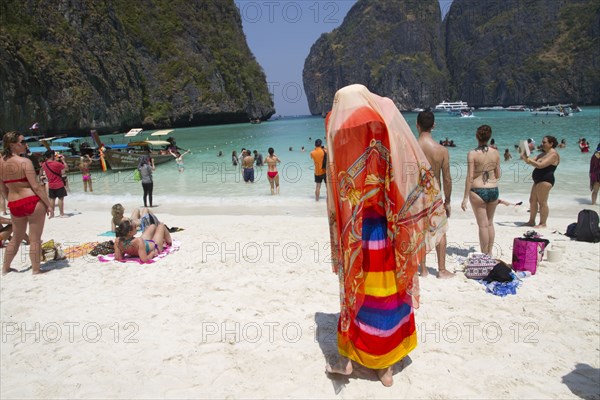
(179, 159)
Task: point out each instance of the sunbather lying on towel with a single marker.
(141, 217)
(146, 247)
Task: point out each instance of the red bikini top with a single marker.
(16, 180)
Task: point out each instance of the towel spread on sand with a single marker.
(79, 250)
(107, 233)
(166, 251)
(502, 288)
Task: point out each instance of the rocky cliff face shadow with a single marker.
(326, 336)
(583, 381)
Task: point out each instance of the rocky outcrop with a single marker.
(490, 53)
(80, 65)
(394, 47)
(524, 52)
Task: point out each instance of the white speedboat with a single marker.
(561, 111)
(451, 106)
(517, 108)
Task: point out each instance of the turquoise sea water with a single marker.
(209, 180)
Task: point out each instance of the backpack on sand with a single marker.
(587, 229)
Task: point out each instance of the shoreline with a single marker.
(295, 206)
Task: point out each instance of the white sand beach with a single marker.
(247, 308)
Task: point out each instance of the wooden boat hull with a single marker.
(122, 160)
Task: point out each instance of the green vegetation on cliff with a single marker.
(115, 64)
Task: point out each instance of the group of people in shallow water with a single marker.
(249, 160)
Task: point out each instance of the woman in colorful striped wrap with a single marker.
(385, 211)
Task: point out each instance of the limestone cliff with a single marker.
(75, 65)
(488, 52)
(394, 47)
(524, 51)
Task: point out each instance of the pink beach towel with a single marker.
(166, 251)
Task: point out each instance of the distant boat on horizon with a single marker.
(448, 106)
(560, 110)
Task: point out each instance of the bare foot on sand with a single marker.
(445, 274)
(540, 226)
(424, 272)
(41, 271)
(342, 368)
(4, 272)
(386, 376)
(528, 223)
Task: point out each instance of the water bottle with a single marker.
(523, 274)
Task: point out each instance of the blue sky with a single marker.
(280, 34)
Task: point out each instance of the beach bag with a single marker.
(587, 229)
(52, 251)
(137, 175)
(528, 252)
(479, 266)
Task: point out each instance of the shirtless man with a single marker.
(248, 167)
(438, 157)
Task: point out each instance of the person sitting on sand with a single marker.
(142, 218)
(146, 247)
(6, 231)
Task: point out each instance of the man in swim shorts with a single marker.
(438, 157)
(248, 166)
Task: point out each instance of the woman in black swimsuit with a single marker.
(543, 180)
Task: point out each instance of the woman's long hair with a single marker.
(123, 228)
(8, 139)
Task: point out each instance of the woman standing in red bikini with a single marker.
(27, 201)
(272, 160)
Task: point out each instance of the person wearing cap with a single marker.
(317, 155)
(53, 169)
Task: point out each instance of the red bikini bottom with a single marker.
(23, 207)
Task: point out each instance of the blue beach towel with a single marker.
(107, 233)
(502, 288)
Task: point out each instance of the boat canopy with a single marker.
(66, 140)
(42, 149)
(133, 132)
(31, 138)
(150, 143)
(162, 132)
(117, 146)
